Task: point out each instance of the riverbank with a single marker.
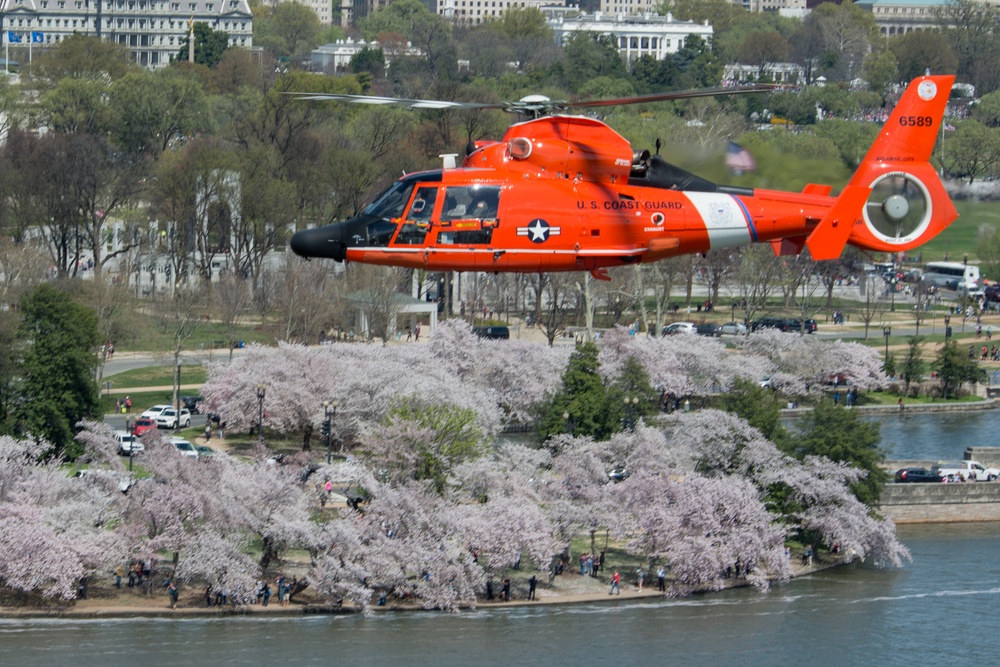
(571, 589)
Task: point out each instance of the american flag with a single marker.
(738, 159)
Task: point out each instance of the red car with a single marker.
(142, 425)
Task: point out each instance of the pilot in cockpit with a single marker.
(485, 206)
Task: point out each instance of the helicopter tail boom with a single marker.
(895, 200)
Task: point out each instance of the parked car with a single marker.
(169, 418)
(917, 475)
(836, 379)
(708, 329)
(678, 328)
(795, 326)
(734, 329)
(492, 333)
(992, 293)
(192, 403)
(619, 474)
(143, 424)
(769, 323)
(185, 448)
(152, 412)
(204, 451)
(128, 443)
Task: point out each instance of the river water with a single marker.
(929, 611)
(948, 598)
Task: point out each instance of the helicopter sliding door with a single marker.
(468, 217)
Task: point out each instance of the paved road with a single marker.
(127, 361)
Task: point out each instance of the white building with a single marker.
(636, 36)
(779, 73)
(151, 29)
(337, 56)
(897, 17)
(480, 11)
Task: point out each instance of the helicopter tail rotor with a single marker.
(895, 201)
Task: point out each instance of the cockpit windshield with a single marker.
(391, 203)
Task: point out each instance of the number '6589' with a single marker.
(916, 121)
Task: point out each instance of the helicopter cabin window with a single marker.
(469, 215)
(418, 218)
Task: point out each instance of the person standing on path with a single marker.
(640, 575)
(173, 592)
(616, 580)
(532, 585)
(661, 579)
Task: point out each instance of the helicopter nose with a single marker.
(325, 241)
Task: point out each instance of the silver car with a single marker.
(734, 329)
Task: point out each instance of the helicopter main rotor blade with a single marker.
(399, 101)
(676, 95)
(532, 104)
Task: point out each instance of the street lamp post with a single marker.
(947, 327)
(570, 426)
(329, 412)
(261, 390)
(886, 331)
(892, 296)
(631, 406)
(963, 286)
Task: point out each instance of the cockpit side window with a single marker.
(418, 217)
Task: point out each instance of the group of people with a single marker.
(123, 405)
(136, 570)
(987, 353)
(591, 564)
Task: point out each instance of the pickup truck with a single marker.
(970, 470)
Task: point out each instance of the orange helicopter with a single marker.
(568, 193)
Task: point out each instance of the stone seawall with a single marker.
(941, 503)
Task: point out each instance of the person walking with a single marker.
(616, 580)
(640, 575)
(173, 592)
(505, 590)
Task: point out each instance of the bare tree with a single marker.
(306, 295)
(23, 266)
(659, 277)
(873, 298)
(232, 300)
(377, 291)
(757, 275)
(555, 294)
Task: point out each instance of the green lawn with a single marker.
(207, 336)
(960, 237)
(157, 376)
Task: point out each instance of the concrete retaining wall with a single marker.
(929, 503)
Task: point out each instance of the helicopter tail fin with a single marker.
(895, 200)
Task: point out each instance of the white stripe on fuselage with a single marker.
(723, 217)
